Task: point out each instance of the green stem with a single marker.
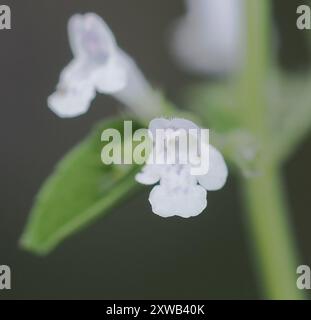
(252, 80)
(271, 233)
(265, 203)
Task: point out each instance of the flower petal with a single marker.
(172, 124)
(217, 172)
(209, 39)
(111, 77)
(158, 123)
(149, 175)
(76, 74)
(75, 90)
(179, 123)
(71, 103)
(184, 204)
(91, 38)
(175, 123)
(75, 29)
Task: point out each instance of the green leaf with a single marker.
(81, 189)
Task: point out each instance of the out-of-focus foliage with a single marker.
(287, 118)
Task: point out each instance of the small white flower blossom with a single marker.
(179, 192)
(98, 65)
(210, 39)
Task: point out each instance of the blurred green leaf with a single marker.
(287, 119)
(217, 104)
(241, 149)
(81, 189)
(289, 113)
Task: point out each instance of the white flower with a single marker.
(98, 65)
(210, 39)
(179, 192)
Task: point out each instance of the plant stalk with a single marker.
(266, 211)
(269, 227)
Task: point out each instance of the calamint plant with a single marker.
(256, 113)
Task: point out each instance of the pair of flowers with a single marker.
(99, 65)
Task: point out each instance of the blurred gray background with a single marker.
(131, 253)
